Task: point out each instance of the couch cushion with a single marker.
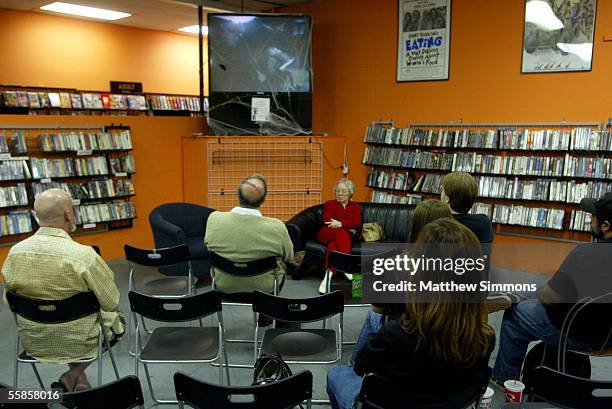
(316, 248)
(197, 248)
(192, 225)
(396, 220)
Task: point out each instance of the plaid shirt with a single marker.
(51, 266)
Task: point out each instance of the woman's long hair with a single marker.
(425, 212)
(452, 325)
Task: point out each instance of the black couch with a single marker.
(395, 219)
(182, 223)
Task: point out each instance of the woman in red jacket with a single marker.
(341, 218)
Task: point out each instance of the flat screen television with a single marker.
(260, 75)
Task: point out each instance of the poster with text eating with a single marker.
(423, 40)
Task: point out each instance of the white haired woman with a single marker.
(340, 215)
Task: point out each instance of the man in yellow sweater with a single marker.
(243, 235)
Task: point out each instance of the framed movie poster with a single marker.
(423, 40)
(558, 35)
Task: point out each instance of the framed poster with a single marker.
(423, 40)
(558, 35)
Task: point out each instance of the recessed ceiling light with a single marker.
(194, 29)
(84, 11)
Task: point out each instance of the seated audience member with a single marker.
(341, 218)
(51, 266)
(425, 212)
(585, 272)
(243, 235)
(441, 344)
(459, 192)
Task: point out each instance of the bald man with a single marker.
(49, 265)
(243, 234)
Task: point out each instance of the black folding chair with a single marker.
(168, 345)
(587, 307)
(19, 405)
(158, 285)
(125, 393)
(319, 346)
(58, 312)
(284, 394)
(241, 270)
(378, 393)
(567, 391)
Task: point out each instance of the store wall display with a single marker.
(93, 164)
(63, 101)
(548, 170)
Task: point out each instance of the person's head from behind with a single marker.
(344, 189)
(53, 208)
(425, 212)
(252, 191)
(453, 325)
(601, 215)
(459, 191)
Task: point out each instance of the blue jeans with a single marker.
(370, 326)
(343, 386)
(525, 322)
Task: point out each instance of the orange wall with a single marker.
(159, 172)
(49, 51)
(354, 66)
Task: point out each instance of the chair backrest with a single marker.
(243, 269)
(353, 263)
(579, 330)
(567, 390)
(299, 309)
(96, 249)
(378, 393)
(286, 393)
(157, 257)
(175, 309)
(19, 405)
(124, 393)
(53, 311)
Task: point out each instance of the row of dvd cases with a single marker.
(93, 164)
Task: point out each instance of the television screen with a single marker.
(259, 53)
(260, 73)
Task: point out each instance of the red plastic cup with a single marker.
(514, 391)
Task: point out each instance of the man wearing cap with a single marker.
(585, 272)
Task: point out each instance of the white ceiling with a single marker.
(164, 15)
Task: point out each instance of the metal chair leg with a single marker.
(16, 368)
(112, 357)
(40, 382)
(158, 401)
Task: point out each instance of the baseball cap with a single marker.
(602, 207)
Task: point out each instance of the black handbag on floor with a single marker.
(270, 368)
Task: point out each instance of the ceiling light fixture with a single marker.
(194, 29)
(84, 11)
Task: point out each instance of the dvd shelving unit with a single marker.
(531, 176)
(94, 164)
(65, 101)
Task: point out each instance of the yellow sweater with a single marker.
(243, 238)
